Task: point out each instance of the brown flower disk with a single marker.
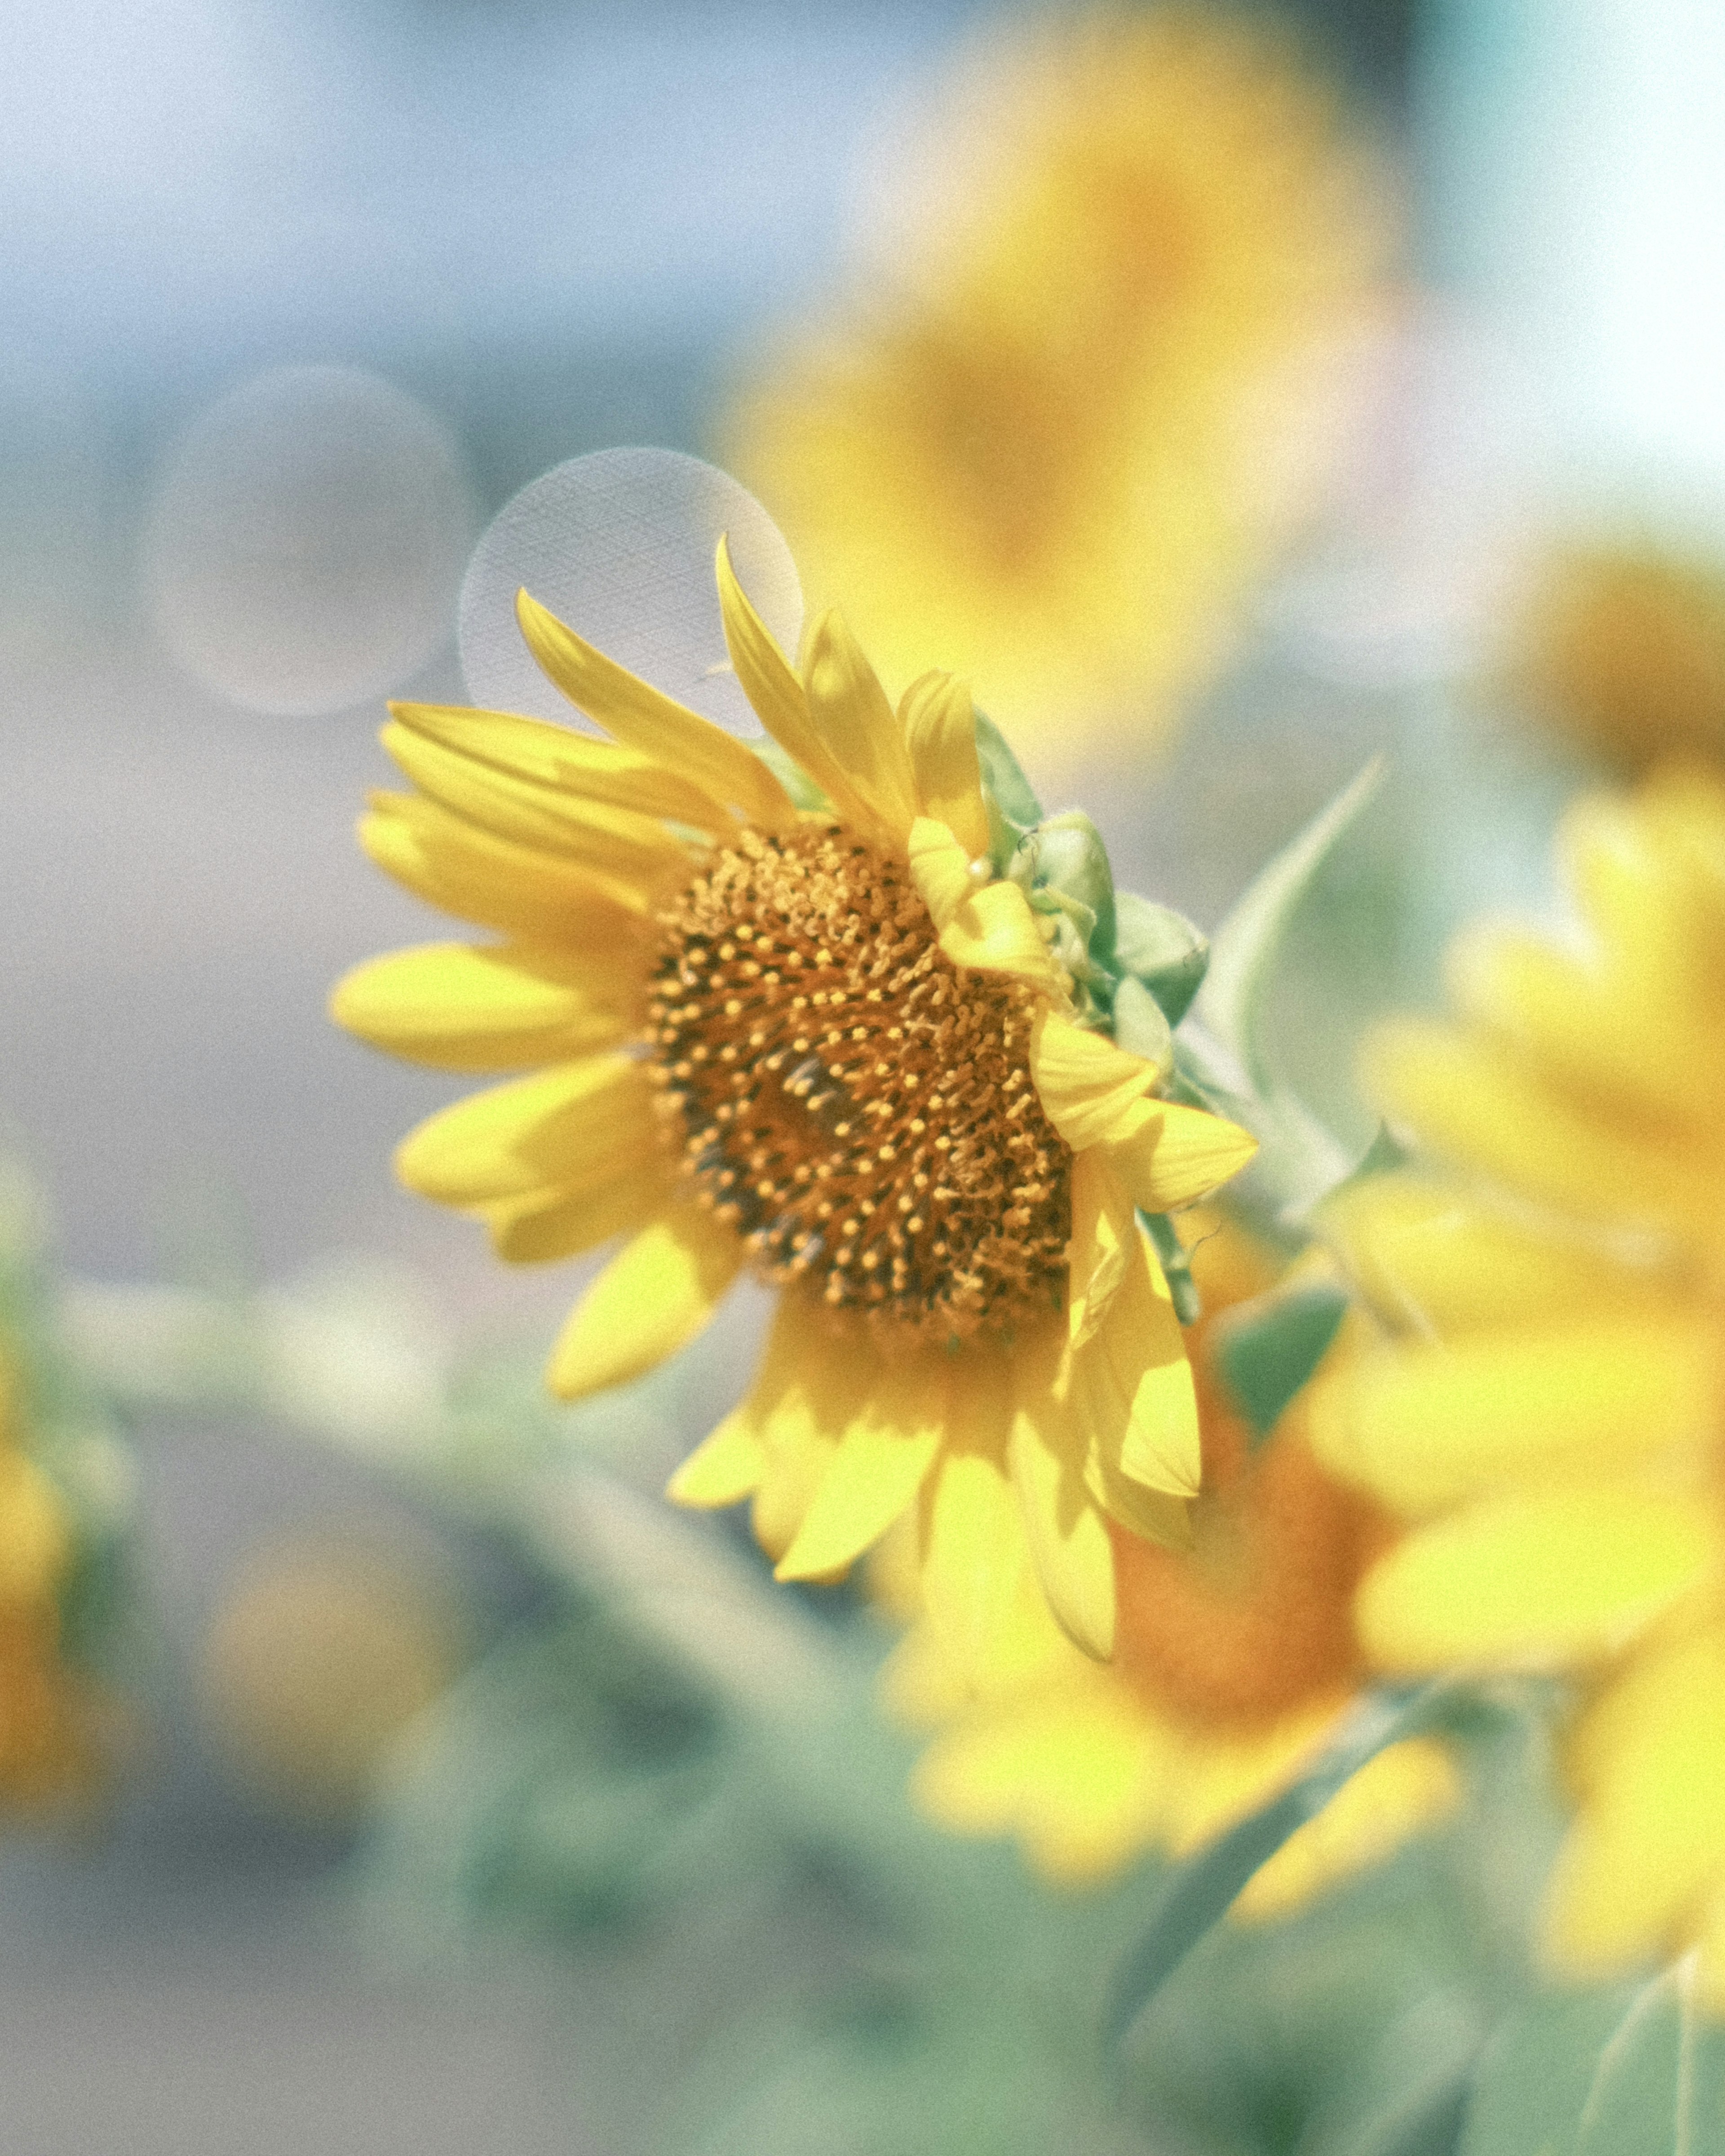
(861, 1111)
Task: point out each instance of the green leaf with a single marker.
(1200, 1893)
(1009, 793)
(1141, 1025)
(1266, 1349)
(1064, 857)
(1634, 2071)
(1246, 946)
(1161, 949)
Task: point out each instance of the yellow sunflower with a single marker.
(1086, 392)
(1622, 650)
(1549, 1409)
(1234, 1662)
(827, 1044)
(47, 1748)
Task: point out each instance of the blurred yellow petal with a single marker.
(642, 718)
(883, 1457)
(557, 1127)
(1432, 1260)
(1407, 1789)
(1647, 1845)
(1438, 1420)
(996, 932)
(613, 1197)
(1177, 1154)
(651, 1299)
(1525, 1582)
(974, 1550)
(940, 728)
(851, 714)
(463, 1008)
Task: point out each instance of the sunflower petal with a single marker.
(1131, 1384)
(770, 683)
(940, 729)
(652, 1299)
(1068, 1543)
(1093, 1092)
(641, 718)
(1525, 1581)
(466, 1008)
(879, 1466)
(850, 712)
(533, 1134)
(519, 891)
(728, 1464)
(612, 1199)
(1177, 1154)
(996, 932)
(975, 1554)
(940, 869)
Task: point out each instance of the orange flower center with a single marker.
(1255, 1618)
(861, 1111)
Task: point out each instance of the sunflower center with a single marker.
(1255, 1619)
(861, 1111)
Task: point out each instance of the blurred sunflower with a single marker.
(1622, 651)
(48, 1746)
(828, 1045)
(1090, 381)
(1234, 1661)
(1549, 1411)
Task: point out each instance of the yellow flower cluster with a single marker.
(47, 1750)
(1078, 406)
(832, 1046)
(1550, 1413)
(1236, 1660)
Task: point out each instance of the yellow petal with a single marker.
(653, 1298)
(814, 1379)
(940, 730)
(996, 932)
(639, 716)
(1525, 1582)
(878, 1468)
(974, 1553)
(728, 1464)
(519, 891)
(1647, 1850)
(940, 869)
(849, 712)
(771, 684)
(1104, 1235)
(1177, 1154)
(615, 842)
(1068, 1543)
(1430, 1259)
(1433, 1421)
(1480, 1105)
(464, 1008)
(554, 757)
(558, 1126)
(1092, 1091)
(1408, 1789)
(1131, 1384)
(614, 1198)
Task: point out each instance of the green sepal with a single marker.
(1172, 1255)
(1007, 794)
(1162, 948)
(1266, 1350)
(1142, 1026)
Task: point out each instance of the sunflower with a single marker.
(827, 1044)
(47, 1752)
(1549, 1409)
(1080, 400)
(1234, 1661)
(1622, 651)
